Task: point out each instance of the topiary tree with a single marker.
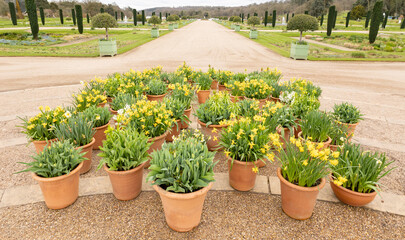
(376, 16)
(176, 17)
(42, 15)
(243, 17)
(143, 17)
(160, 16)
(116, 15)
(367, 19)
(237, 19)
(402, 24)
(79, 16)
(104, 20)
(292, 15)
(101, 10)
(347, 19)
(331, 17)
(357, 12)
(13, 15)
(287, 16)
(302, 23)
(334, 19)
(88, 18)
(306, 12)
(171, 19)
(33, 17)
(266, 15)
(154, 20)
(254, 21)
(74, 16)
(248, 16)
(322, 16)
(385, 20)
(122, 16)
(134, 16)
(273, 23)
(61, 16)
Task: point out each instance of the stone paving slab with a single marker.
(21, 195)
(13, 142)
(378, 144)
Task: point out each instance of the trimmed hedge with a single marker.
(74, 16)
(273, 23)
(375, 21)
(331, 18)
(61, 16)
(12, 13)
(33, 17)
(42, 15)
(79, 16)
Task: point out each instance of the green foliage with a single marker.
(61, 16)
(42, 15)
(177, 107)
(248, 108)
(217, 108)
(171, 18)
(203, 81)
(303, 104)
(237, 19)
(376, 18)
(116, 16)
(254, 21)
(359, 170)
(266, 16)
(122, 16)
(143, 17)
(257, 89)
(74, 16)
(277, 89)
(358, 12)
(403, 24)
(183, 166)
(101, 10)
(224, 77)
(77, 130)
(347, 113)
(42, 126)
(358, 55)
(33, 17)
(121, 100)
(85, 99)
(60, 158)
(331, 18)
(367, 19)
(12, 13)
(99, 116)
(316, 125)
(134, 16)
(347, 19)
(79, 16)
(104, 20)
(124, 149)
(112, 84)
(322, 17)
(285, 118)
(385, 20)
(154, 20)
(156, 87)
(88, 18)
(338, 133)
(302, 23)
(335, 18)
(273, 22)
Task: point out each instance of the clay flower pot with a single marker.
(175, 131)
(88, 149)
(203, 96)
(241, 175)
(350, 129)
(60, 192)
(214, 132)
(350, 197)
(334, 147)
(325, 144)
(286, 132)
(101, 105)
(214, 85)
(275, 100)
(187, 112)
(221, 87)
(296, 201)
(183, 210)
(158, 98)
(157, 143)
(39, 145)
(99, 136)
(126, 185)
(113, 111)
(262, 102)
(236, 99)
(261, 164)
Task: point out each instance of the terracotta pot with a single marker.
(325, 144)
(102, 105)
(212, 144)
(175, 131)
(88, 149)
(60, 192)
(113, 111)
(296, 201)
(99, 136)
(334, 147)
(236, 99)
(183, 210)
(158, 98)
(214, 85)
(262, 102)
(203, 96)
(275, 99)
(156, 145)
(39, 145)
(187, 112)
(261, 164)
(286, 132)
(241, 175)
(350, 197)
(350, 129)
(126, 185)
(297, 129)
(109, 100)
(221, 87)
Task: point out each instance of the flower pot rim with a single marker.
(260, 100)
(158, 137)
(243, 162)
(156, 96)
(351, 191)
(44, 141)
(351, 124)
(209, 90)
(328, 141)
(188, 110)
(183, 196)
(274, 98)
(103, 126)
(58, 178)
(211, 126)
(305, 189)
(113, 111)
(125, 172)
(88, 144)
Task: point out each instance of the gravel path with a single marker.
(226, 215)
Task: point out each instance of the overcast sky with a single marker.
(177, 3)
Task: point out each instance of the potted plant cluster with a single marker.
(182, 174)
(177, 107)
(185, 93)
(302, 23)
(354, 179)
(253, 21)
(204, 82)
(156, 90)
(348, 115)
(120, 101)
(100, 117)
(257, 89)
(124, 154)
(316, 126)
(223, 78)
(155, 30)
(105, 20)
(248, 108)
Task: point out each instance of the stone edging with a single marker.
(20, 195)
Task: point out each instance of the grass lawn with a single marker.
(126, 40)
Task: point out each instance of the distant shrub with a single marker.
(358, 55)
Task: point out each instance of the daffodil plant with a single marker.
(185, 71)
(347, 113)
(183, 92)
(216, 109)
(316, 126)
(122, 100)
(257, 89)
(224, 77)
(97, 115)
(85, 99)
(203, 81)
(77, 129)
(248, 108)
(156, 87)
